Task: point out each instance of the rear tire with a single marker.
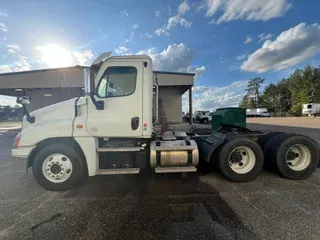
(58, 167)
(248, 164)
(264, 139)
(296, 156)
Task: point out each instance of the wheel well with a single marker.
(65, 140)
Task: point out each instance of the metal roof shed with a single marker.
(49, 86)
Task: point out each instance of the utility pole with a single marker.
(280, 103)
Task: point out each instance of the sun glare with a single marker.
(55, 56)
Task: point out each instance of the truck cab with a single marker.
(108, 131)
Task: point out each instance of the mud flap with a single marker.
(208, 145)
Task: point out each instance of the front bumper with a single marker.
(20, 157)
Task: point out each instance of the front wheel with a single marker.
(241, 160)
(58, 167)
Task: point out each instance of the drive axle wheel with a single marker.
(241, 159)
(296, 156)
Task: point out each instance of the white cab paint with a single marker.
(115, 119)
(53, 121)
(89, 146)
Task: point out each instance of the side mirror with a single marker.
(24, 100)
(86, 78)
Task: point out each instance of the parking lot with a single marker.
(202, 206)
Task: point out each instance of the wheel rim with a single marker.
(57, 168)
(298, 157)
(242, 160)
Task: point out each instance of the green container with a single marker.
(235, 116)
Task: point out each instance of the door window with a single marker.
(117, 81)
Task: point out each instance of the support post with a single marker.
(190, 105)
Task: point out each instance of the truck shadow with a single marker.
(158, 207)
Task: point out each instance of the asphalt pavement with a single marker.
(201, 206)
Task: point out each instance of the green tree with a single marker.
(244, 102)
(304, 86)
(253, 89)
(269, 97)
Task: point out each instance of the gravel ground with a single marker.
(304, 122)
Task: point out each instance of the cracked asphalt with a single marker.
(202, 206)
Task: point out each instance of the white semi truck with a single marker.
(311, 109)
(257, 112)
(111, 131)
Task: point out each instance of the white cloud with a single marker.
(172, 22)
(5, 68)
(157, 13)
(124, 13)
(175, 58)
(251, 10)
(135, 26)
(211, 98)
(183, 8)
(248, 40)
(130, 38)
(263, 37)
(169, 9)
(161, 31)
(21, 65)
(288, 49)
(3, 14)
(148, 35)
(3, 27)
(122, 50)
(241, 57)
(83, 58)
(175, 20)
(13, 48)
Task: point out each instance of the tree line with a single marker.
(11, 113)
(288, 95)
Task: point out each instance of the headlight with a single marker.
(17, 140)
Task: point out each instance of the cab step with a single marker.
(118, 171)
(175, 169)
(119, 149)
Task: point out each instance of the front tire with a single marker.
(241, 160)
(58, 167)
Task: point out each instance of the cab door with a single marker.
(119, 85)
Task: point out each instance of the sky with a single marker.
(224, 42)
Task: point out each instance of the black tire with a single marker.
(278, 147)
(226, 150)
(76, 158)
(205, 120)
(270, 163)
(264, 139)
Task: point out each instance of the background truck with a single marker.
(203, 116)
(111, 131)
(311, 109)
(257, 112)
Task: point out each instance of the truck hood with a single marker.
(56, 112)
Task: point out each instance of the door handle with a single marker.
(134, 123)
